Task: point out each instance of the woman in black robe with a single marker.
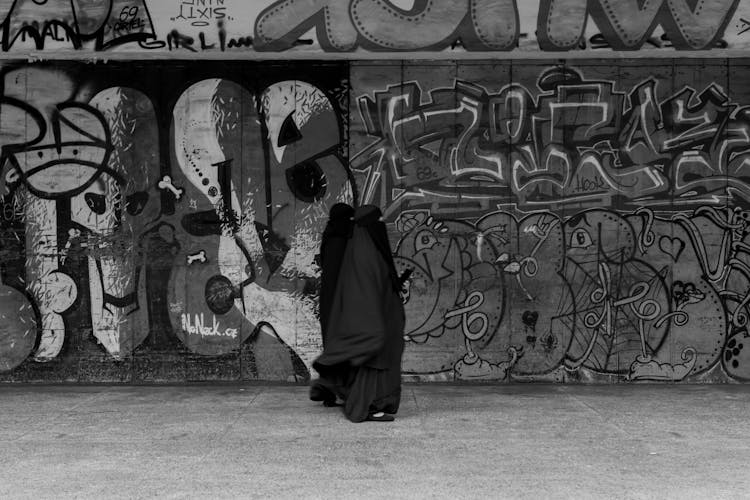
(333, 243)
(365, 329)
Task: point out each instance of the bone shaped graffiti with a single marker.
(198, 257)
(166, 184)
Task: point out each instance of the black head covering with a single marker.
(339, 222)
(332, 247)
(368, 217)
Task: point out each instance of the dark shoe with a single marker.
(320, 392)
(382, 417)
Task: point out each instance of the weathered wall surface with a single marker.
(578, 219)
(304, 27)
(565, 222)
(583, 221)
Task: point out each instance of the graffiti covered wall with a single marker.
(564, 222)
(151, 28)
(166, 169)
(579, 221)
(162, 221)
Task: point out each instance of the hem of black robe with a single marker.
(369, 393)
(335, 379)
(352, 350)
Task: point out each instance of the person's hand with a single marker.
(405, 292)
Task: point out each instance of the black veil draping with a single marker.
(336, 234)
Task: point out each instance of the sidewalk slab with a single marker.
(448, 441)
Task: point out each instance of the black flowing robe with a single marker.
(333, 244)
(365, 336)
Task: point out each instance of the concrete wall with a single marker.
(354, 28)
(573, 220)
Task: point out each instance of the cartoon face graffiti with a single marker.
(452, 298)
(261, 173)
(111, 215)
(430, 250)
(303, 178)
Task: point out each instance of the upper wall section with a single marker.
(356, 28)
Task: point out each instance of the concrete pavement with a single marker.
(469, 441)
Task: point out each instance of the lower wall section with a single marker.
(582, 222)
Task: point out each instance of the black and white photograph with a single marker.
(374, 249)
